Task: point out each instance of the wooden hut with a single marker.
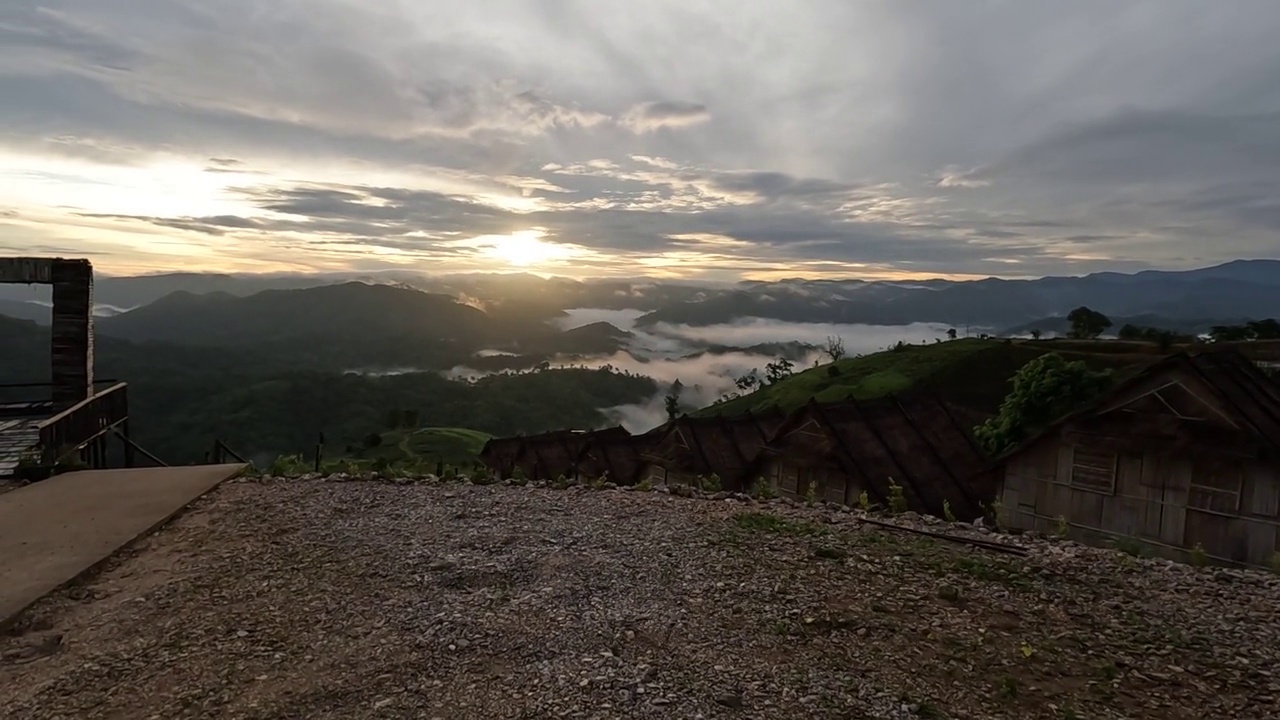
(549, 455)
(1184, 455)
(499, 455)
(837, 451)
(611, 453)
(723, 446)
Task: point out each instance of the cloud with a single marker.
(650, 116)
(1041, 139)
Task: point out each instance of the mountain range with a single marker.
(1239, 289)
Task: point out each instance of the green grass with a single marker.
(457, 447)
(768, 522)
(969, 372)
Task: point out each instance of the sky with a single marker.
(693, 139)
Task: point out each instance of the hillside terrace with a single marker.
(334, 597)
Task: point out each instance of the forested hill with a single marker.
(273, 398)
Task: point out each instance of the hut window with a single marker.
(1093, 470)
(1215, 486)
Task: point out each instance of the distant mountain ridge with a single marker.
(1238, 289)
(1246, 288)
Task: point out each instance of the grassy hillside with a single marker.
(458, 447)
(969, 372)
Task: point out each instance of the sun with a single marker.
(524, 248)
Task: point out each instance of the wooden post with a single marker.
(128, 447)
(319, 451)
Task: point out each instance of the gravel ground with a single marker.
(344, 599)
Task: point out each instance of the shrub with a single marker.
(1199, 557)
(1043, 390)
(762, 489)
(897, 499)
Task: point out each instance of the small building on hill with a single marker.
(549, 455)
(837, 451)
(612, 453)
(499, 455)
(1186, 454)
(724, 446)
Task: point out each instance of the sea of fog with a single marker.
(662, 353)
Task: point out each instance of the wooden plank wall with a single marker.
(1149, 504)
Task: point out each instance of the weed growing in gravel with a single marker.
(1060, 526)
(827, 552)
(768, 522)
(710, 484)
(1130, 546)
(864, 501)
(644, 485)
(1275, 563)
(1199, 557)
(1109, 672)
(286, 465)
(926, 710)
(1008, 687)
(811, 493)
(561, 483)
(946, 511)
(998, 518)
(762, 489)
(897, 500)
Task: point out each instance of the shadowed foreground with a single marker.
(315, 599)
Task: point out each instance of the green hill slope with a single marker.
(425, 447)
(970, 372)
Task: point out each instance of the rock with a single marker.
(729, 700)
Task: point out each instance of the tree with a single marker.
(1035, 334)
(951, 333)
(1044, 390)
(778, 370)
(672, 400)
(1087, 324)
(748, 382)
(834, 348)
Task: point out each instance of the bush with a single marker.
(762, 489)
(897, 499)
(1044, 390)
(1199, 557)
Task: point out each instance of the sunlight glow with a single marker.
(524, 248)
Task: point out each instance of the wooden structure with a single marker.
(614, 454)
(1184, 455)
(724, 446)
(44, 423)
(499, 455)
(836, 451)
(548, 456)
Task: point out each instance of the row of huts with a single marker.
(1183, 457)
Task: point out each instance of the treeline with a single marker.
(1268, 329)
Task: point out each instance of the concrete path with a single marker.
(56, 529)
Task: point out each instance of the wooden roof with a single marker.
(614, 452)
(916, 441)
(726, 446)
(1236, 388)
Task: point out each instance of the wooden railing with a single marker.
(83, 422)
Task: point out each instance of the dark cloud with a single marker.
(647, 117)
